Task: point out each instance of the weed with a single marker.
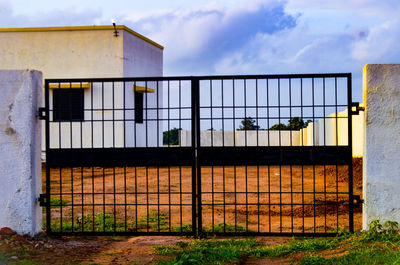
(6, 257)
(165, 250)
(213, 251)
(388, 231)
(225, 228)
(105, 222)
(207, 251)
(374, 255)
(114, 238)
(154, 220)
(87, 223)
(112, 253)
(55, 202)
(185, 228)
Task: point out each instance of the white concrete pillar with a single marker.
(20, 150)
(381, 183)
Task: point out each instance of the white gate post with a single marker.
(20, 148)
(381, 171)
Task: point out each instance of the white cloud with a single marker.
(254, 36)
(56, 17)
(381, 45)
(195, 39)
(372, 8)
(261, 37)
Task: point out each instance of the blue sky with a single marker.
(240, 37)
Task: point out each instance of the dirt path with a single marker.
(100, 250)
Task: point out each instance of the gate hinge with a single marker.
(42, 200)
(356, 108)
(357, 201)
(42, 113)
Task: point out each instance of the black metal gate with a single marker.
(232, 155)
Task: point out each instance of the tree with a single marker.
(297, 123)
(171, 137)
(294, 123)
(248, 123)
(278, 126)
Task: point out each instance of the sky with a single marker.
(206, 37)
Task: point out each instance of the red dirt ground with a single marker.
(265, 199)
(131, 250)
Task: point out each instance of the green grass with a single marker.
(154, 221)
(380, 245)
(225, 228)
(20, 253)
(374, 255)
(114, 239)
(87, 222)
(55, 202)
(205, 251)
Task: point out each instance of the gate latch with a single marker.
(42, 113)
(356, 108)
(357, 201)
(42, 200)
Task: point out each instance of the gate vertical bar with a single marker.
(350, 143)
(195, 93)
(47, 128)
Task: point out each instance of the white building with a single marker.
(89, 52)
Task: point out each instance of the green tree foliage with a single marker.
(278, 126)
(171, 137)
(248, 123)
(294, 123)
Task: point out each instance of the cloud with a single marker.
(255, 36)
(381, 45)
(372, 8)
(292, 51)
(262, 37)
(57, 17)
(195, 39)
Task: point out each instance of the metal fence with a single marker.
(237, 155)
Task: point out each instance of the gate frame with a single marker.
(197, 228)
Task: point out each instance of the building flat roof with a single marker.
(77, 28)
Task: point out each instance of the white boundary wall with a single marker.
(314, 134)
(381, 183)
(20, 141)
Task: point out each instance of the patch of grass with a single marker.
(207, 251)
(379, 245)
(211, 251)
(114, 238)
(112, 253)
(365, 256)
(6, 257)
(154, 221)
(225, 228)
(55, 202)
(88, 222)
(185, 228)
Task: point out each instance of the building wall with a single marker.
(143, 59)
(63, 54)
(90, 53)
